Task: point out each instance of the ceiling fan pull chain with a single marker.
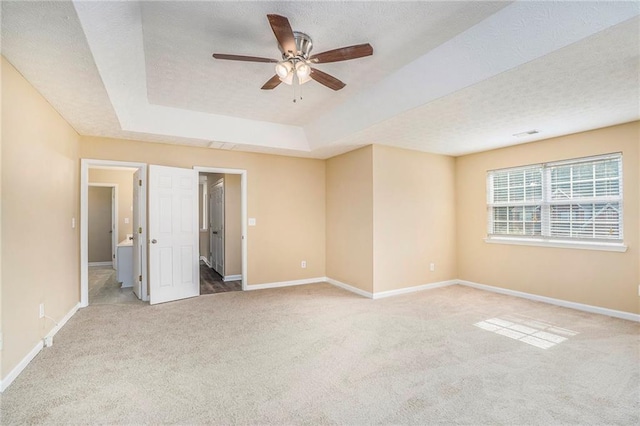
(294, 84)
(299, 89)
(293, 87)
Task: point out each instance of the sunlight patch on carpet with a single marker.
(528, 330)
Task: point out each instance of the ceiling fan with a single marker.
(296, 61)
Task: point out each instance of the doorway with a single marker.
(125, 280)
(222, 237)
(103, 224)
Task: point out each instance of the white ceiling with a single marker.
(445, 77)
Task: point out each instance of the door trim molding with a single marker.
(85, 165)
(243, 210)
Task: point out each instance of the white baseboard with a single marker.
(422, 287)
(232, 278)
(110, 263)
(4, 383)
(285, 283)
(205, 260)
(348, 287)
(389, 293)
(62, 322)
(559, 302)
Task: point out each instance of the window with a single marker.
(569, 202)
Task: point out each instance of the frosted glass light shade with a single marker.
(288, 79)
(303, 70)
(283, 69)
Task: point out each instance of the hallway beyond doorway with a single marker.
(104, 289)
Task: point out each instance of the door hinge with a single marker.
(140, 278)
(139, 182)
(114, 256)
(140, 230)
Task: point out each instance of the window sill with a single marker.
(582, 245)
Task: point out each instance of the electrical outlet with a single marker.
(1, 341)
(42, 310)
(303, 264)
(432, 266)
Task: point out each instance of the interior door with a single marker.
(216, 229)
(114, 233)
(100, 224)
(173, 232)
(137, 240)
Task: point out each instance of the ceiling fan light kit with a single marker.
(296, 61)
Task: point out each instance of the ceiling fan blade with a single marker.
(283, 32)
(327, 80)
(343, 54)
(242, 58)
(272, 83)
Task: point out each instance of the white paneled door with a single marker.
(137, 236)
(216, 210)
(173, 234)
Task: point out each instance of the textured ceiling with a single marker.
(46, 43)
(445, 77)
(587, 85)
(179, 38)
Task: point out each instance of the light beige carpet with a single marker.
(316, 354)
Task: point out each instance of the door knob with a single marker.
(154, 241)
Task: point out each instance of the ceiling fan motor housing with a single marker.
(303, 46)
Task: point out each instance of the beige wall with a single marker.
(124, 180)
(350, 218)
(605, 279)
(40, 196)
(413, 218)
(286, 195)
(99, 223)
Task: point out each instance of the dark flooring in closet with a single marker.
(211, 282)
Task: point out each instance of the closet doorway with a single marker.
(222, 233)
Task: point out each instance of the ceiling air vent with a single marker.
(527, 133)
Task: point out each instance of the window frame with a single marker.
(545, 205)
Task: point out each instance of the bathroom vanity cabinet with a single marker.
(124, 254)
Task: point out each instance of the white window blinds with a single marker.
(574, 199)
